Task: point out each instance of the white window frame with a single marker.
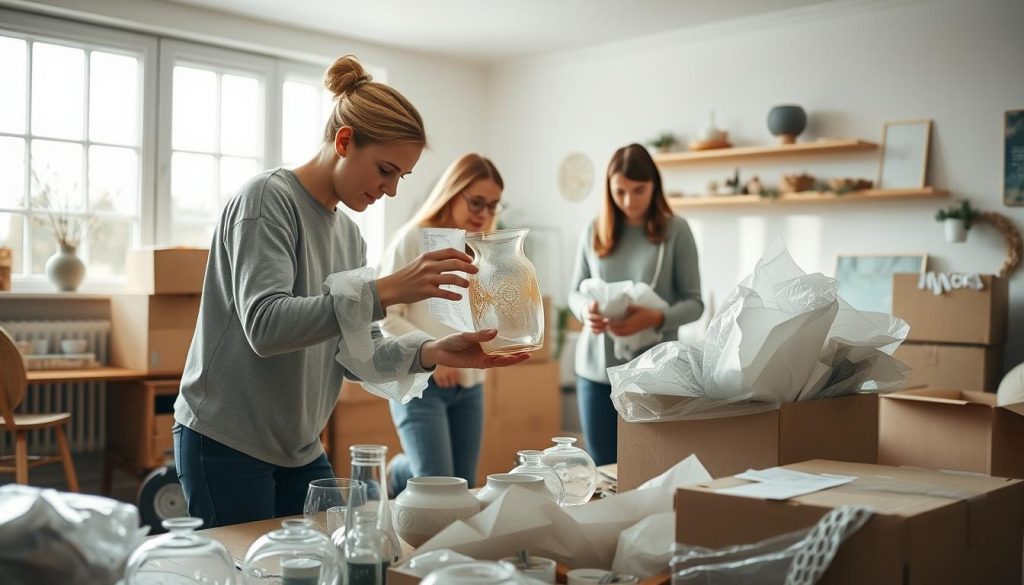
(90, 37)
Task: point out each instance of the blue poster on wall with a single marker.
(1013, 159)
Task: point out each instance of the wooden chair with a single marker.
(13, 386)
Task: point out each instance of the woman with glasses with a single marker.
(637, 238)
(441, 431)
(287, 297)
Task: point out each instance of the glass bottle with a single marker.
(531, 463)
(368, 551)
(576, 468)
(505, 294)
(180, 556)
(368, 467)
(296, 554)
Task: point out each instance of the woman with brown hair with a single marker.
(287, 311)
(441, 431)
(636, 238)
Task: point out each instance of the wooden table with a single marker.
(237, 538)
(103, 374)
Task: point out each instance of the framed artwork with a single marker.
(1013, 158)
(865, 280)
(904, 163)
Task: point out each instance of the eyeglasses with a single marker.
(478, 204)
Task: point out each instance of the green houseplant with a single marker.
(957, 220)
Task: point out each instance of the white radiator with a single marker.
(86, 401)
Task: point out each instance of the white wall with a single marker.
(449, 94)
(852, 65)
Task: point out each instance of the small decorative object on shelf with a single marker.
(787, 122)
(663, 142)
(796, 183)
(732, 184)
(844, 185)
(711, 136)
(753, 186)
(6, 263)
(957, 220)
(64, 269)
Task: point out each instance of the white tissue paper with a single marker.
(781, 336)
(74, 539)
(577, 536)
(384, 366)
(613, 299)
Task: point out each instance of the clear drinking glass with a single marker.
(504, 294)
(531, 463)
(328, 502)
(368, 467)
(576, 468)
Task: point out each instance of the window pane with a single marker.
(301, 122)
(240, 120)
(12, 172)
(194, 111)
(195, 235)
(43, 244)
(194, 184)
(58, 91)
(56, 175)
(113, 179)
(12, 229)
(12, 98)
(109, 242)
(233, 173)
(113, 98)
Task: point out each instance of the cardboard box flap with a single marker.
(954, 397)
(1017, 408)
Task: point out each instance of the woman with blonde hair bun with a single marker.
(441, 432)
(269, 354)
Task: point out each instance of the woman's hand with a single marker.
(595, 320)
(446, 377)
(462, 350)
(422, 278)
(636, 320)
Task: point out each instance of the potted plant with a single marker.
(957, 220)
(664, 142)
(67, 225)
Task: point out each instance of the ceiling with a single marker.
(495, 30)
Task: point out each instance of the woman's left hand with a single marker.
(462, 350)
(636, 320)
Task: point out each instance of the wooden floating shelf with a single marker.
(806, 197)
(748, 152)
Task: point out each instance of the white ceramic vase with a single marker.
(956, 230)
(498, 483)
(429, 504)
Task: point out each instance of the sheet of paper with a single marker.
(781, 484)
(455, 314)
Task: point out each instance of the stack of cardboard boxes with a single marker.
(956, 338)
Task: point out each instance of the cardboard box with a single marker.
(927, 526)
(963, 367)
(961, 316)
(844, 429)
(166, 270)
(950, 429)
(152, 332)
(360, 423)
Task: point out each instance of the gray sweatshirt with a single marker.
(635, 258)
(261, 375)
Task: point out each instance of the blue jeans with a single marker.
(440, 434)
(223, 486)
(599, 419)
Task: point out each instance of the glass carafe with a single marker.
(531, 463)
(296, 554)
(367, 551)
(180, 557)
(368, 467)
(576, 468)
(504, 294)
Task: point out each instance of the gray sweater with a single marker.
(261, 375)
(635, 258)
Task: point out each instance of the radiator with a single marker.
(86, 401)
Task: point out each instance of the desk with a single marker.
(104, 374)
(237, 538)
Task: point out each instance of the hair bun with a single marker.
(346, 75)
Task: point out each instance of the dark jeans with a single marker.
(440, 434)
(599, 419)
(223, 486)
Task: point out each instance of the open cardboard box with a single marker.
(952, 429)
(844, 429)
(960, 316)
(927, 526)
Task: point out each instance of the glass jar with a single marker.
(531, 463)
(576, 468)
(475, 573)
(504, 294)
(180, 557)
(368, 467)
(296, 554)
(367, 551)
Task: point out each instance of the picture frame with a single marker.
(865, 280)
(1013, 158)
(904, 160)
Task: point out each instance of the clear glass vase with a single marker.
(295, 554)
(531, 463)
(181, 556)
(368, 467)
(504, 294)
(575, 467)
